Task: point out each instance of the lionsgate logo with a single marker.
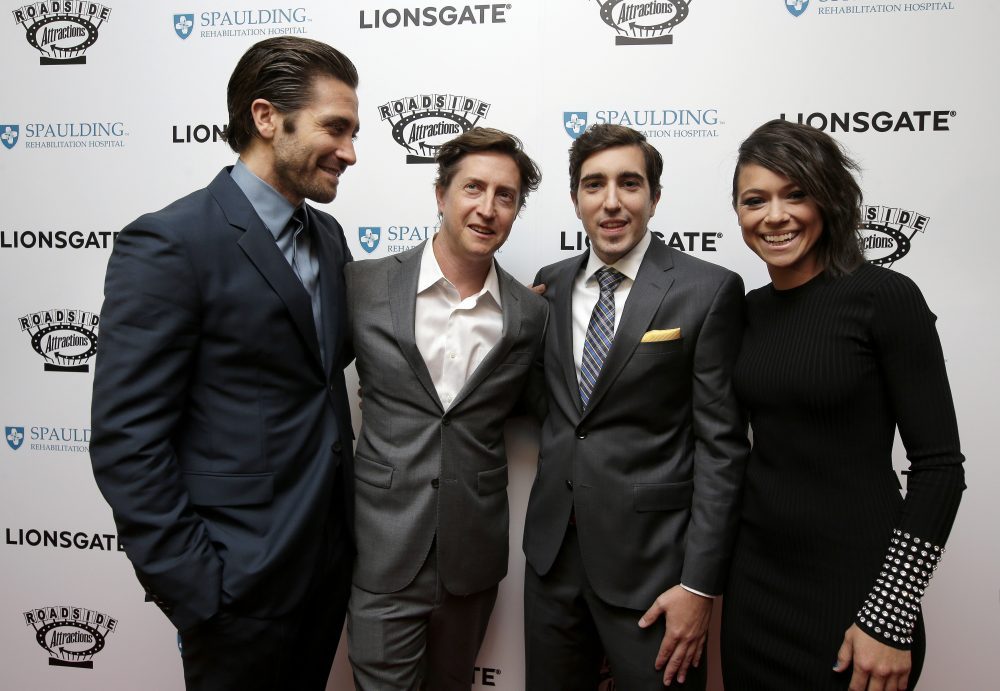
(65, 338)
(685, 241)
(256, 23)
(887, 232)
(61, 30)
(426, 121)
(57, 239)
(63, 539)
(641, 23)
(398, 238)
(200, 133)
(65, 135)
(71, 635)
(882, 121)
(449, 15)
(654, 123)
(49, 439)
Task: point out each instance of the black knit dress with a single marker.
(827, 372)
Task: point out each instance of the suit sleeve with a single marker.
(149, 339)
(721, 444)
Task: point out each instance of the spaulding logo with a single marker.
(640, 22)
(71, 635)
(796, 7)
(575, 123)
(183, 24)
(369, 236)
(65, 338)
(15, 437)
(9, 135)
(61, 30)
(426, 121)
(887, 232)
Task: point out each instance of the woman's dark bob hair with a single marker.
(814, 161)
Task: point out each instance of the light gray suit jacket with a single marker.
(654, 466)
(422, 471)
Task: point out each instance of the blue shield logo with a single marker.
(9, 134)
(575, 123)
(369, 236)
(183, 24)
(796, 7)
(15, 437)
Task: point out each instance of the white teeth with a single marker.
(777, 239)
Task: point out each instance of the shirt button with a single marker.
(452, 355)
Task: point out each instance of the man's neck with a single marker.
(467, 275)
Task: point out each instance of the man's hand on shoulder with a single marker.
(687, 617)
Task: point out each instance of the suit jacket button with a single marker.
(580, 434)
(569, 484)
(435, 483)
(336, 447)
(446, 421)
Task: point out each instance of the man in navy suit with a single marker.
(221, 425)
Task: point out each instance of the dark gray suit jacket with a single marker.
(217, 429)
(422, 471)
(654, 466)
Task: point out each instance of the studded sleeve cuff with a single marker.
(890, 612)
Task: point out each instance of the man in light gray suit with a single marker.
(444, 341)
(634, 506)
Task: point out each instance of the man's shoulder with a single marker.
(184, 215)
(702, 268)
(366, 268)
(548, 271)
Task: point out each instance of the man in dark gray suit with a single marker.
(444, 339)
(221, 426)
(633, 509)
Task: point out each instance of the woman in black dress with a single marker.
(831, 561)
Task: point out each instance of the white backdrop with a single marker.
(87, 146)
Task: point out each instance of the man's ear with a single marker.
(266, 118)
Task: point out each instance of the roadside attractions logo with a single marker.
(65, 135)
(654, 123)
(881, 121)
(827, 7)
(61, 30)
(258, 23)
(643, 23)
(398, 238)
(422, 123)
(448, 15)
(683, 240)
(71, 635)
(49, 439)
(65, 338)
(887, 232)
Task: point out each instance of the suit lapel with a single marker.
(259, 246)
(651, 285)
(512, 317)
(403, 306)
(331, 285)
(563, 310)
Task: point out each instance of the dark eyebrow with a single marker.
(593, 176)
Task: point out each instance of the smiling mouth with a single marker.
(335, 172)
(482, 230)
(613, 224)
(778, 240)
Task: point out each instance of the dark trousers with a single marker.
(568, 630)
(294, 652)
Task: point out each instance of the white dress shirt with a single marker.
(454, 335)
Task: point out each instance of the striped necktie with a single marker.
(600, 332)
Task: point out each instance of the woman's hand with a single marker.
(877, 667)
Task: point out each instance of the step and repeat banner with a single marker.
(111, 110)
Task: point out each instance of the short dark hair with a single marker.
(605, 136)
(479, 140)
(280, 70)
(818, 164)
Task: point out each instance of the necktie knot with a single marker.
(609, 279)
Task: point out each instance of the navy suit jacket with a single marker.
(220, 438)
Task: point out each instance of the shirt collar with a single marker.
(430, 275)
(628, 265)
(274, 210)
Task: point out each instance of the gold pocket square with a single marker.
(657, 335)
